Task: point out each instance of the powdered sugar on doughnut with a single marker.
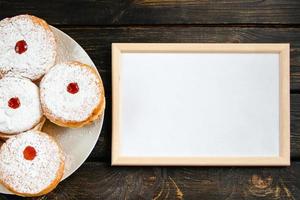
(41, 51)
(64, 105)
(29, 176)
(28, 114)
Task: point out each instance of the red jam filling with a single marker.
(29, 153)
(14, 103)
(21, 46)
(73, 88)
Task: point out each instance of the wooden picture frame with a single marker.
(283, 159)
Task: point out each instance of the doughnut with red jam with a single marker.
(20, 107)
(28, 46)
(32, 164)
(72, 94)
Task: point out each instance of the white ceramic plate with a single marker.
(77, 144)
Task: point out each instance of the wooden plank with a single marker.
(295, 126)
(100, 181)
(106, 12)
(97, 41)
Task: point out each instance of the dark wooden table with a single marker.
(96, 24)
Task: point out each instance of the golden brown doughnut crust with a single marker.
(54, 183)
(51, 187)
(44, 24)
(99, 109)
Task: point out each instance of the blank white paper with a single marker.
(199, 105)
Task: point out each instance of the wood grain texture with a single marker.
(106, 12)
(97, 41)
(100, 181)
(96, 24)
